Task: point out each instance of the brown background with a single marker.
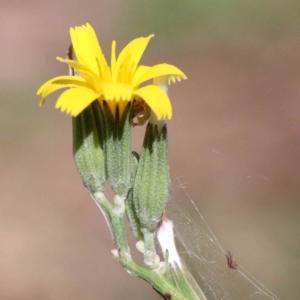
(234, 138)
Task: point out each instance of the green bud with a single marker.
(89, 147)
(134, 223)
(152, 182)
(118, 149)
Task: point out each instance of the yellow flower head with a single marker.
(117, 84)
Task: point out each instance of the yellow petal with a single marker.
(159, 70)
(116, 91)
(81, 68)
(75, 100)
(157, 100)
(62, 80)
(140, 70)
(51, 89)
(88, 74)
(101, 61)
(113, 59)
(117, 94)
(88, 50)
(129, 59)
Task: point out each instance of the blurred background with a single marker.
(234, 140)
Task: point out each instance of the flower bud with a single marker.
(118, 149)
(134, 223)
(152, 183)
(89, 147)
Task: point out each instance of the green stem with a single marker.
(158, 281)
(150, 252)
(115, 216)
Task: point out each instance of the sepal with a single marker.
(89, 147)
(118, 149)
(134, 222)
(152, 184)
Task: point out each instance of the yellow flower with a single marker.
(117, 84)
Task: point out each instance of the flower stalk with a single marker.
(103, 101)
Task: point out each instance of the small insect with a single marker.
(140, 111)
(232, 264)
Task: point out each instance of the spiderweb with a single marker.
(200, 249)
